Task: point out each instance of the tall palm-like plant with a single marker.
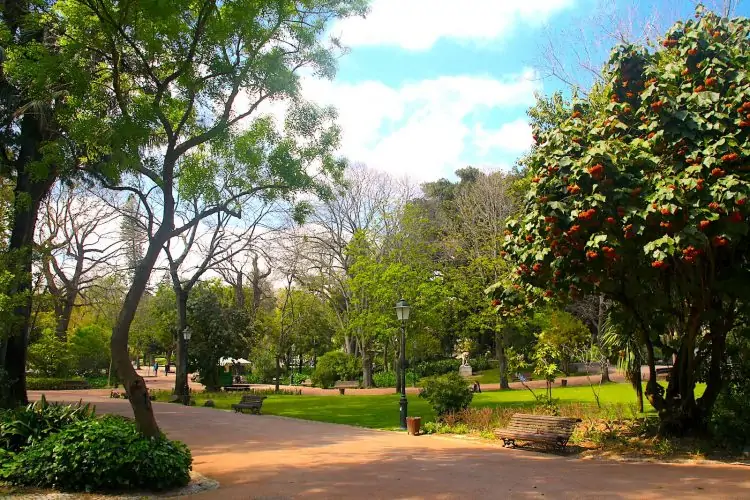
(621, 335)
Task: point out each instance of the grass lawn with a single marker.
(381, 412)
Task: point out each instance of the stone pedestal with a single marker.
(465, 371)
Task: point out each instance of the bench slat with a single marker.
(538, 428)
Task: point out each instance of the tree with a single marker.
(214, 334)
(48, 97)
(366, 203)
(481, 208)
(183, 79)
(75, 249)
(217, 240)
(640, 195)
(563, 333)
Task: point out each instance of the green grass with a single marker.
(381, 412)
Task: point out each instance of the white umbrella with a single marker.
(242, 361)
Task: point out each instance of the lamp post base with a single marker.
(402, 404)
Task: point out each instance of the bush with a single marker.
(298, 378)
(730, 418)
(100, 455)
(49, 356)
(384, 379)
(23, 427)
(52, 383)
(89, 350)
(438, 367)
(388, 379)
(336, 365)
(446, 393)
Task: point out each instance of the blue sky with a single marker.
(430, 86)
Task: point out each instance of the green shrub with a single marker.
(23, 427)
(298, 378)
(446, 393)
(89, 350)
(102, 455)
(438, 367)
(52, 383)
(336, 365)
(384, 379)
(388, 379)
(49, 356)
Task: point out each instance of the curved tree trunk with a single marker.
(134, 385)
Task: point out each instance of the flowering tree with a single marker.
(641, 194)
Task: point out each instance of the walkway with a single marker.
(166, 382)
(275, 457)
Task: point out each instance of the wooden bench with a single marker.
(343, 385)
(250, 402)
(555, 431)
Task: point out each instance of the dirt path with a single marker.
(276, 457)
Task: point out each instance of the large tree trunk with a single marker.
(66, 311)
(181, 369)
(502, 360)
(28, 195)
(278, 373)
(366, 368)
(239, 291)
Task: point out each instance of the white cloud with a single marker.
(514, 137)
(422, 129)
(418, 24)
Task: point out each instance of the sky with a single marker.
(430, 86)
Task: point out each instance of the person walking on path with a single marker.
(156, 368)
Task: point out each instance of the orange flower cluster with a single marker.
(587, 214)
(690, 253)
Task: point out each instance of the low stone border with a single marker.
(198, 484)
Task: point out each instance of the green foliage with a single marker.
(102, 455)
(437, 367)
(385, 379)
(215, 334)
(730, 419)
(51, 383)
(639, 193)
(23, 427)
(388, 378)
(89, 348)
(562, 332)
(334, 366)
(49, 356)
(446, 393)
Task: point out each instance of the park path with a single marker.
(166, 382)
(268, 457)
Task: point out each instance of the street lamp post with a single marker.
(402, 313)
(186, 334)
